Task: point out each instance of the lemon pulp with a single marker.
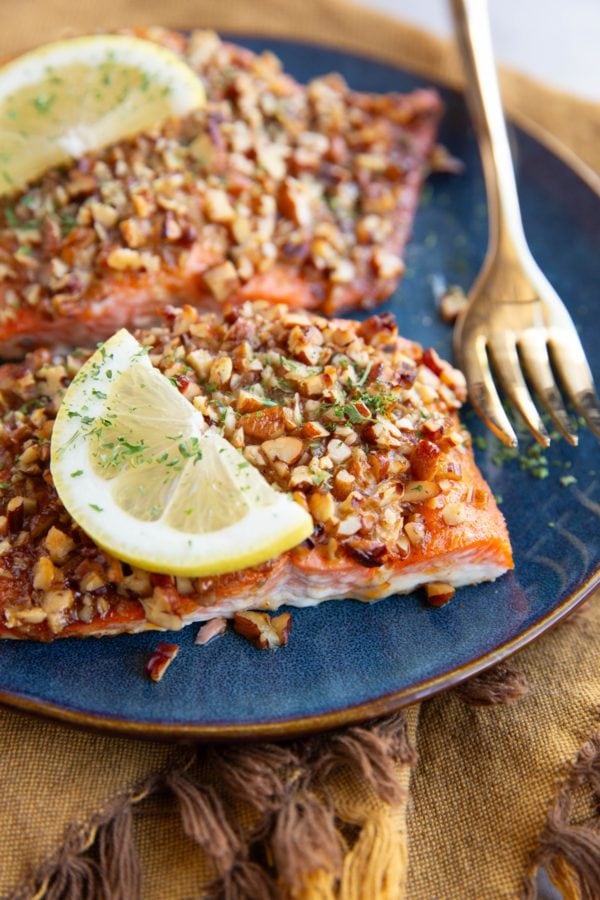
(76, 95)
(136, 467)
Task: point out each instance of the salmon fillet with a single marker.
(277, 191)
(358, 423)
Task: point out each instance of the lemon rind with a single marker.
(265, 532)
(91, 51)
(41, 148)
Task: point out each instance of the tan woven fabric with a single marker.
(485, 776)
(575, 121)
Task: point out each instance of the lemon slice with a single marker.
(136, 467)
(66, 98)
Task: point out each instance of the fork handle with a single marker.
(472, 24)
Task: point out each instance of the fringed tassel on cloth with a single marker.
(72, 875)
(244, 881)
(569, 852)
(376, 866)
(119, 865)
(98, 861)
(76, 878)
(305, 842)
(204, 820)
(257, 776)
(374, 750)
(294, 845)
(500, 684)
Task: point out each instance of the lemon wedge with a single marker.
(65, 98)
(137, 468)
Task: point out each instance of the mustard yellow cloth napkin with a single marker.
(496, 789)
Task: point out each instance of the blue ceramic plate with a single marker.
(347, 661)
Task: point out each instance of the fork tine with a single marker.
(503, 351)
(482, 390)
(576, 376)
(534, 353)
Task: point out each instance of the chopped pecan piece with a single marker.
(349, 526)
(221, 280)
(265, 424)
(161, 659)
(454, 513)
(342, 484)
(262, 630)
(432, 360)
(439, 593)
(247, 402)
(15, 513)
(125, 258)
(211, 630)
(283, 626)
(424, 460)
(313, 430)
(441, 160)
(452, 303)
(338, 451)
(415, 532)
(294, 202)
(287, 449)
(44, 574)
(367, 553)
(58, 544)
(58, 601)
(322, 506)
(419, 491)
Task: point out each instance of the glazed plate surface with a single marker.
(347, 661)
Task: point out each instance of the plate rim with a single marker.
(387, 703)
(305, 725)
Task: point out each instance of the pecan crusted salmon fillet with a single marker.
(277, 191)
(359, 424)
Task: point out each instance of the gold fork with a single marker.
(515, 320)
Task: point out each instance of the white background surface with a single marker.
(554, 41)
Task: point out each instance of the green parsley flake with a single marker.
(566, 480)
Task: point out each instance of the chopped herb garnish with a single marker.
(43, 103)
(350, 412)
(67, 224)
(11, 217)
(566, 480)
